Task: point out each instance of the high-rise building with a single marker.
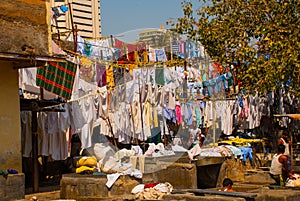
(156, 38)
(85, 15)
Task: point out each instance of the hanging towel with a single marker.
(57, 77)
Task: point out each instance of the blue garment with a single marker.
(205, 88)
(247, 153)
(64, 9)
(228, 79)
(220, 84)
(160, 55)
(236, 151)
(190, 117)
(170, 114)
(80, 45)
(88, 48)
(56, 12)
(240, 100)
(198, 115)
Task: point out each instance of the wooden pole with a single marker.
(73, 29)
(109, 123)
(185, 76)
(141, 108)
(134, 134)
(35, 152)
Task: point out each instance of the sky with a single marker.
(122, 17)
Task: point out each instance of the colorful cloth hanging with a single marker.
(88, 70)
(57, 77)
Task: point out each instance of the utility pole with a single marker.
(185, 73)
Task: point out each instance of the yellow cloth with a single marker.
(110, 76)
(84, 168)
(86, 161)
(142, 163)
(155, 117)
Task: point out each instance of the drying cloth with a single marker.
(57, 77)
(112, 178)
(142, 163)
(194, 151)
(133, 160)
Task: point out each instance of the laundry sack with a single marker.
(87, 161)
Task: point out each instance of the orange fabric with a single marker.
(294, 116)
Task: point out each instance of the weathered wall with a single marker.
(12, 187)
(10, 128)
(25, 23)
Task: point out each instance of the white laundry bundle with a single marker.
(102, 151)
(124, 153)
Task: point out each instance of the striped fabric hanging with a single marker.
(57, 77)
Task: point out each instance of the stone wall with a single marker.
(25, 27)
(10, 122)
(75, 186)
(12, 187)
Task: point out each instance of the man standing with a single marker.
(279, 166)
(194, 135)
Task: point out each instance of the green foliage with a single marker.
(246, 32)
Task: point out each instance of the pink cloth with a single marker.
(178, 114)
(56, 49)
(245, 110)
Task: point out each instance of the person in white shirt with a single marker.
(279, 166)
(284, 140)
(194, 135)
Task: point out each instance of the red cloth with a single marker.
(131, 49)
(118, 44)
(150, 185)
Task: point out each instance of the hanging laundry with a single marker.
(152, 55)
(181, 48)
(80, 44)
(101, 75)
(64, 8)
(56, 12)
(131, 50)
(118, 43)
(159, 75)
(178, 113)
(110, 77)
(160, 55)
(57, 50)
(87, 70)
(88, 48)
(57, 77)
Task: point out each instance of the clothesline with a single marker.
(183, 100)
(134, 64)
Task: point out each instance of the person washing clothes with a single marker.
(287, 144)
(279, 166)
(284, 140)
(195, 134)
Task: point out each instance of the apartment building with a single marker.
(85, 15)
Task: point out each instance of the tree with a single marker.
(260, 37)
